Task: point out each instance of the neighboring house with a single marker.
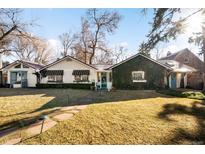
(177, 78)
(21, 74)
(140, 72)
(186, 57)
(71, 70)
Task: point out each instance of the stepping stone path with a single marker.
(63, 116)
(35, 129)
(81, 107)
(74, 111)
(67, 108)
(13, 141)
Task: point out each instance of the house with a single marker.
(140, 72)
(136, 72)
(69, 70)
(187, 58)
(21, 74)
(178, 77)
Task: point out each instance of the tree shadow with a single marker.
(14, 125)
(64, 98)
(197, 110)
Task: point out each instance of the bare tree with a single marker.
(94, 27)
(84, 38)
(119, 53)
(34, 50)
(11, 27)
(67, 41)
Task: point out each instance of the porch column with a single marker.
(108, 77)
(185, 80)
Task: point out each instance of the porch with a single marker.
(18, 79)
(104, 80)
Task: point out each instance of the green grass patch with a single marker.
(185, 94)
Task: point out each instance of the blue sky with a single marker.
(132, 28)
(53, 22)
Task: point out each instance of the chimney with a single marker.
(169, 53)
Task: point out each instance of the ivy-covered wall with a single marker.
(154, 74)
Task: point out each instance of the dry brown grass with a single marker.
(144, 121)
(121, 117)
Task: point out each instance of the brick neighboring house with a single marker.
(185, 56)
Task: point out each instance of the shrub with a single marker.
(185, 94)
(66, 85)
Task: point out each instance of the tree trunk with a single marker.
(203, 52)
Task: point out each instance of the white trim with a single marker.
(64, 58)
(139, 80)
(13, 64)
(139, 54)
(143, 74)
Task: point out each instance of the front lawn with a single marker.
(19, 107)
(157, 120)
(120, 117)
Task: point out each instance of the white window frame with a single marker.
(55, 78)
(81, 78)
(143, 75)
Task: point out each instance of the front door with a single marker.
(103, 80)
(24, 79)
(173, 81)
(13, 78)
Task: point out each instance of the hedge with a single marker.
(67, 85)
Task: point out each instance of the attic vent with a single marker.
(68, 59)
(186, 60)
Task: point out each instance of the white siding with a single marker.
(68, 67)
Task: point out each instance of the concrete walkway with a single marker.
(65, 113)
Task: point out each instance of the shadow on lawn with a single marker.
(12, 126)
(67, 97)
(197, 109)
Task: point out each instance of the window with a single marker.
(186, 60)
(77, 78)
(84, 77)
(81, 78)
(138, 76)
(59, 78)
(55, 78)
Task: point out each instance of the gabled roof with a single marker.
(64, 58)
(101, 67)
(139, 54)
(29, 64)
(174, 55)
(177, 66)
